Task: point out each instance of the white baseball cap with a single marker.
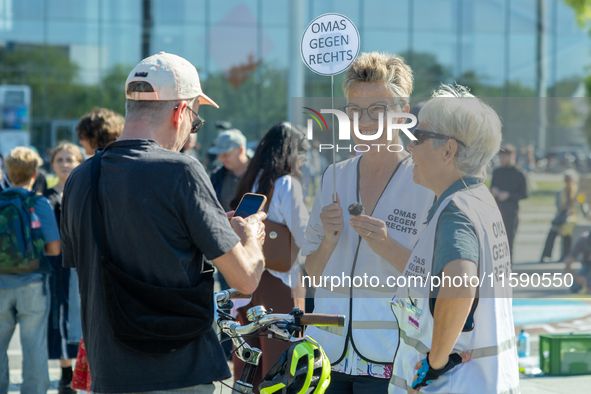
(171, 76)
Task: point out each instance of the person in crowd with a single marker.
(582, 278)
(446, 325)
(158, 234)
(23, 296)
(527, 158)
(191, 146)
(274, 171)
(566, 217)
(4, 181)
(380, 180)
(64, 330)
(230, 148)
(40, 184)
(508, 186)
(98, 128)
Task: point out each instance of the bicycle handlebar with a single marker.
(311, 319)
(227, 295)
(321, 319)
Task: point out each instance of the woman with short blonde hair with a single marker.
(376, 204)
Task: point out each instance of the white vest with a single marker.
(493, 367)
(370, 326)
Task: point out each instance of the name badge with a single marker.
(414, 308)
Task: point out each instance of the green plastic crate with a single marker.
(565, 354)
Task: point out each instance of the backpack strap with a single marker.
(96, 217)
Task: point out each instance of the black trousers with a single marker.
(511, 221)
(341, 383)
(566, 244)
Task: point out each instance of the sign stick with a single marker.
(334, 154)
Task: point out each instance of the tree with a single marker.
(582, 10)
(253, 105)
(428, 73)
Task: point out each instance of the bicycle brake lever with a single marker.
(225, 316)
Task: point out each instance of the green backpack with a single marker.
(21, 247)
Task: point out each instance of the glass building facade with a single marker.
(75, 54)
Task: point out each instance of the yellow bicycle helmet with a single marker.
(301, 369)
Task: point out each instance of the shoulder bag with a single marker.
(144, 317)
(279, 249)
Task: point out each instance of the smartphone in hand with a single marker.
(250, 204)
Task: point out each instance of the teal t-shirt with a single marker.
(455, 237)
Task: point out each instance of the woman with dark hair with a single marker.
(275, 171)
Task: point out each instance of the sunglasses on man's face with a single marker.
(196, 124)
(423, 135)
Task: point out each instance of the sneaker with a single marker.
(65, 388)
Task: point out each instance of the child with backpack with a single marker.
(28, 235)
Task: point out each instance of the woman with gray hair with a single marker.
(445, 318)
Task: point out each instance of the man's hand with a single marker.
(499, 194)
(502, 196)
(251, 227)
(427, 375)
(332, 221)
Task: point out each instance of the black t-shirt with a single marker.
(161, 218)
(512, 180)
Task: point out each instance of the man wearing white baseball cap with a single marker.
(142, 211)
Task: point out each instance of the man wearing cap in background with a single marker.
(508, 186)
(230, 148)
(161, 218)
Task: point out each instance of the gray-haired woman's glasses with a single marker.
(423, 135)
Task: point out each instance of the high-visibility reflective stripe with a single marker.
(401, 383)
(476, 353)
(412, 342)
(494, 350)
(340, 331)
(374, 325)
(363, 325)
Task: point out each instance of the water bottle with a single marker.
(35, 225)
(523, 344)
